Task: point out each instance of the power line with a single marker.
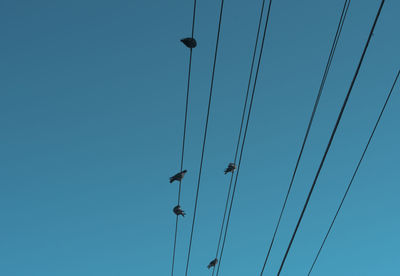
(354, 174)
(245, 134)
(205, 136)
(184, 136)
(321, 87)
(331, 138)
(241, 128)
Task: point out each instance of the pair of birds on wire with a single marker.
(179, 176)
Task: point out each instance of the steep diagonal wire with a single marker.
(321, 87)
(244, 135)
(205, 136)
(331, 138)
(355, 173)
(184, 137)
(241, 128)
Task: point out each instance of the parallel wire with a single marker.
(184, 137)
(321, 87)
(331, 138)
(241, 128)
(205, 137)
(244, 135)
(355, 172)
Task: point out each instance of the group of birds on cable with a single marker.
(191, 43)
(179, 176)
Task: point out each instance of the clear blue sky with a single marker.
(91, 115)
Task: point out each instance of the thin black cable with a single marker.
(244, 135)
(187, 98)
(241, 127)
(173, 254)
(321, 87)
(331, 138)
(184, 137)
(205, 136)
(354, 174)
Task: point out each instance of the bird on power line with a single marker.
(177, 177)
(178, 211)
(189, 42)
(231, 168)
(213, 263)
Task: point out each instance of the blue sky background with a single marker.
(91, 115)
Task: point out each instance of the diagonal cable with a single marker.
(240, 129)
(184, 137)
(244, 135)
(205, 136)
(354, 174)
(331, 138)
(321, 87)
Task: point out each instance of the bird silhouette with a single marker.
(189, 42)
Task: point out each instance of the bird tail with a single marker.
(171, 179)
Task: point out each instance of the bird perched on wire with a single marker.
(178, 211)
(212, 263)
(231, 168)
(189, 42)
(178, 176)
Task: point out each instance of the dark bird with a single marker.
(212, 263)
(177, 176)
(231, 168)
(189, 42)
(178, 211)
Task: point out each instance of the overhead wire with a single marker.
(355, 173)
(205, 136)
(244, 135)
(184, 135)
(240, 129)
(321, 87)
(331, 138)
